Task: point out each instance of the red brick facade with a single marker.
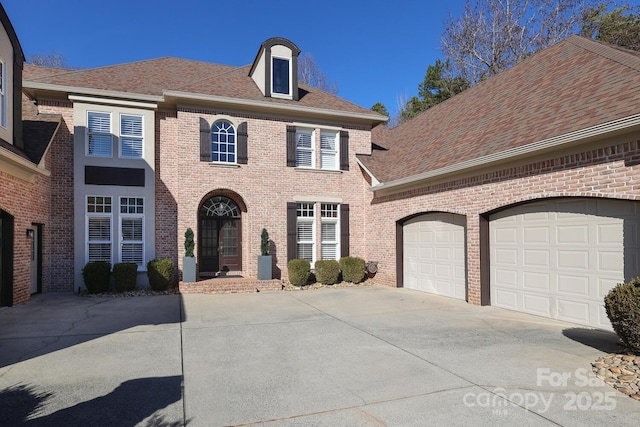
(608, 169)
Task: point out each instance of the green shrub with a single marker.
(623, 309)
(96, 276)
(125, 274)
(189, 243)
(160, 273)
(299, 271)
(352, 269)
(327, 272)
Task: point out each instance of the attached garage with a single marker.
(434, 254)
(558, 258)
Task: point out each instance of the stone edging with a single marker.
(620, 371)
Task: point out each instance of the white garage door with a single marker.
(434, 254)
(559, 258)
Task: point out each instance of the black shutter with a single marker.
(292, 231)
(344, 150)
(205, 140)
(242, 143)
(344, 230)
(291, 146)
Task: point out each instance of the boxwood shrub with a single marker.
(299, 271)
(327, 272)
(125, 274)
(623, 309)
(96, 276)
(352, 269)
(160, 273)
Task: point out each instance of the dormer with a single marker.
(11, 60)
(275, 69)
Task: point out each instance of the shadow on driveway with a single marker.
(605, 341)
(128, 404)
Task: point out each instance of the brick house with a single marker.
(521, 192)
(151, 148)
(25, 184)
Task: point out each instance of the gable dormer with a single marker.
(275, 69)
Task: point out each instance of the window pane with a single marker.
(99, 122)
(328, 160)
(131, 147)
(280, 76)
(99, 252)
(132, 252)
(304, 140)
(131, 228)
(305, 231)
(303, 158)
(329, 251)
(99, 228)
(131, 125)
(305, 251)
(100, 145)
(328, 231)
(328, 141)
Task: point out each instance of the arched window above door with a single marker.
(220, 206)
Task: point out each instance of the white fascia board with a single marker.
(374, 180)
(274, 106)
(546, 144)
(22, 166)
(112, 101)
(88, 91)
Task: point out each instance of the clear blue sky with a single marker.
(375, 50)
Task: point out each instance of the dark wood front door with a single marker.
(220, 244)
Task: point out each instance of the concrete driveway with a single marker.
(368, 356)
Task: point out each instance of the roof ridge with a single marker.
(614, 53)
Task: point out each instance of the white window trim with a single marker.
(86, 230)
(312, 242)
(3, 95)
(331, 220)
(86, 144)
(122, 216)
(142, 137)
(312, 149)
(335, 152)
(277, 94)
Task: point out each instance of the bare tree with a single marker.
(309, 73)
(52, 59)
(493, 35)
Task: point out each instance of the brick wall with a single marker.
(264, 185)
(609, 169)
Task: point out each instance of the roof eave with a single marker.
(373, 118)
(20, 167)
(31, 87)
(627, 124)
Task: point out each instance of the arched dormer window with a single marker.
(223, 142)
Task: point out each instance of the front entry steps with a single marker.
(229, 285)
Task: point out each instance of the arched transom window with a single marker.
(223, 142)
(220, 206)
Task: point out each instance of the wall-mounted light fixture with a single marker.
(30, 233)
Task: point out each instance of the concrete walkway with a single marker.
(369, 356)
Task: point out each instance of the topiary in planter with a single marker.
(125, 274)
(352, 269)
(327, 272)
(96, 276)
(299, 271)
(160, 273)
(623, 309)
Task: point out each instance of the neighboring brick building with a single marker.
(521, 192)
(25, 165)
(151, 148)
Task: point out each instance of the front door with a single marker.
(220, 248)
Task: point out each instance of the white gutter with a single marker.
(274, 106)
(550, 143)
(88, 91)
(123, 102)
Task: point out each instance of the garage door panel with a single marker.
(439, 256)
(508, 299)
(537, 304)
(592, 244)
(536, 281)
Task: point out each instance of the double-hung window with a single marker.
(132, 230)
(99, 134)
(305, 153)
(306, 231)
(131, 136)
(99, 216)
(329, 231)
(3, 95)
(329, 150)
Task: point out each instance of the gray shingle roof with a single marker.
(576, 84)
